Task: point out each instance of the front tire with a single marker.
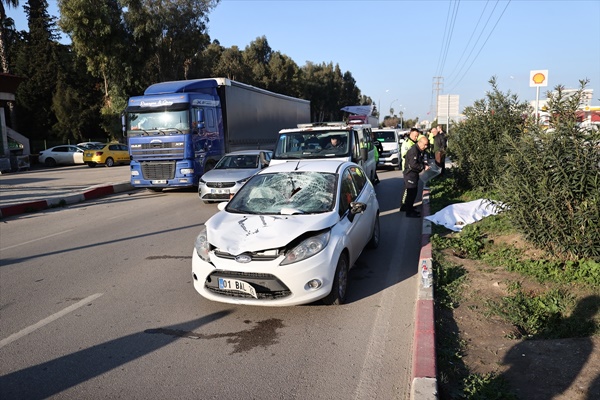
(337, 295)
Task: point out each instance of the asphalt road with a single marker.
(96, 301)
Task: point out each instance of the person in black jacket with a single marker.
(415, 163)
(440, 145)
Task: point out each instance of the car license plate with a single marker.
(159, 182)
(88, 154)
(234, 284)
(219, 191)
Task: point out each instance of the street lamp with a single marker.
(379, 109)
(391, 109)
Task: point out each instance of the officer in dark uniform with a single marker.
(414, 164)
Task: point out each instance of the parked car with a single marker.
(390, 142)
(87, 145)
(108, 154)
(61, 155)
(289, 236)
(230, 173)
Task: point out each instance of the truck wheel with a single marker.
(110, 162)
(337, 295)
(50, 162)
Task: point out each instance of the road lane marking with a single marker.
(35, 240)
(47, 320)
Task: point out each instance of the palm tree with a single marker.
(3, 56)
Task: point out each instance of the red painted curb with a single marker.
(424, 364)
(98, 192)
(9, 211)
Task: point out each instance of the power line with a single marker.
(482, 46)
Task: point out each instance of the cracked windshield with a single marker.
(286, 193)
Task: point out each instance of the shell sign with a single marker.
(538, 78)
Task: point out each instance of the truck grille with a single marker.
(165, 151)
(152, 170)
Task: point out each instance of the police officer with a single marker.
(415, 163)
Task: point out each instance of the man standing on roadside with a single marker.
(412, 138)
(441, 143)
(415, 163)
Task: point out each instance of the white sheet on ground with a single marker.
(456, 216)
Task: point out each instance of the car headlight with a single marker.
(202, 246)
(185, 171)
(394, 151)
(307, 248)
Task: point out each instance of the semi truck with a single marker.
(178, 130)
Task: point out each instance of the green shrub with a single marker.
(551, 182)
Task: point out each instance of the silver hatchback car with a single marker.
(230, 174)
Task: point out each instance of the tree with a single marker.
(37, 62)
(5, 24)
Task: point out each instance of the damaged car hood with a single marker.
(239, 233)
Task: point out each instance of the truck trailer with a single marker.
(178, 130)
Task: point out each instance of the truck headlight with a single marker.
(134, 172)
(185, 171)
(307, 248)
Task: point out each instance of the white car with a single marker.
(65, 155)
(289, 236)
(230, 174)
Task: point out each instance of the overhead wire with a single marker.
(483, 45)
(471, 38)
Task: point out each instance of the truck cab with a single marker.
(327, 140)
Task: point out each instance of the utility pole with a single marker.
(438, 83)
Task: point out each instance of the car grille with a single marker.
(255, 256)
(214, 196)
(158, 170)
(220, 184)
(267, 286)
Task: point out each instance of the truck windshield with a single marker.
(158, 123)
(312, 144)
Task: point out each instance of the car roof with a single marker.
(327, 166)
(251, 152)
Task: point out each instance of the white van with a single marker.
(327, 140)
(390, 141)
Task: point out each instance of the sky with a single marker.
(404, 53)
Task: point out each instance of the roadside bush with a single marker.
(550, 182)
(474, 145)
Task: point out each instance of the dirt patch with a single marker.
(566, 369)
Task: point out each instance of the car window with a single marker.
(359, 177)
(124, 147)
(348, 192)
(292, 192)
(61, 149)
(113, 147)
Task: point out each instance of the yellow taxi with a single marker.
(108, 154)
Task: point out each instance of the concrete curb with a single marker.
(424, 369)
(88, 194)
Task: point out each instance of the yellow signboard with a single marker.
(538, 78)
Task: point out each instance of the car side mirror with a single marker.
(357, 207)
